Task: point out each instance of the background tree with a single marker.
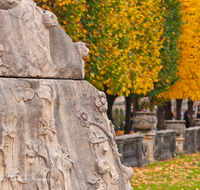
(188, 85)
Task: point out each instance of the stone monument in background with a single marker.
(54, 130)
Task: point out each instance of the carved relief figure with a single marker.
(108, 175)
(57, 174)
(10, 177)
(101, 135)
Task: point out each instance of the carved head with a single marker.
(102, 167)
(82, 49)
(8, 4)
(49, 19)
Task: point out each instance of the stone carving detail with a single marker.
(82, 49)
(101, 133)
(83, 52)
(49, 20)
(8, 4)
(57, 173)
(109, 177)
(11, 176)
(101, 102)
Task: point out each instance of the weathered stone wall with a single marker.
(133, 149)
(165, 145)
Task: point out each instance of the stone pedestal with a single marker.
(180, 141)
(149, 139)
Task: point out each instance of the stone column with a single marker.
(149, 138)
(180, 141)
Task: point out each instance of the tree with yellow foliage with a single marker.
(188, 85)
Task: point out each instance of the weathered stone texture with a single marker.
(165, 144)
(133, 150)
(191, 140)
(35, 45)
(55, 135)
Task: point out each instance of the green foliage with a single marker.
(170, 51)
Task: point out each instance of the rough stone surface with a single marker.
(198, 138)
(33, 44)
(178, 125)
(133, 150)
(55, 135)
(191, 142)
(144, 121)
(165, 145)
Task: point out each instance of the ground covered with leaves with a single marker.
(178, 173)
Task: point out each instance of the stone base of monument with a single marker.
(165, 145)
(149, 139)
(133, 150)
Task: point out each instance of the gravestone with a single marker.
(54, 130)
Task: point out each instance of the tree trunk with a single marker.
(168, 112)
(178, 108)
(135, 108)
(190, 111)
(160, 115)
(110, 99)
(128, 114)
(135, 105)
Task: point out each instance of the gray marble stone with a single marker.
(165, 144)
(133, 149)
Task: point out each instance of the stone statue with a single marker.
(54, 131)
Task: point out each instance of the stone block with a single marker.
(191, 140)
(165, 144)
(55, 133)
(36, 45)
(133, 149)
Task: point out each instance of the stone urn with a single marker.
(144, 121)
(197, 122)
(178, 125)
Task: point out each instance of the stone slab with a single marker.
(55, 135)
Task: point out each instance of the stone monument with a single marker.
(54, 131)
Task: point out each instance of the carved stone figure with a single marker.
(54, 133)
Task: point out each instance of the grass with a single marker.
(176, 174)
